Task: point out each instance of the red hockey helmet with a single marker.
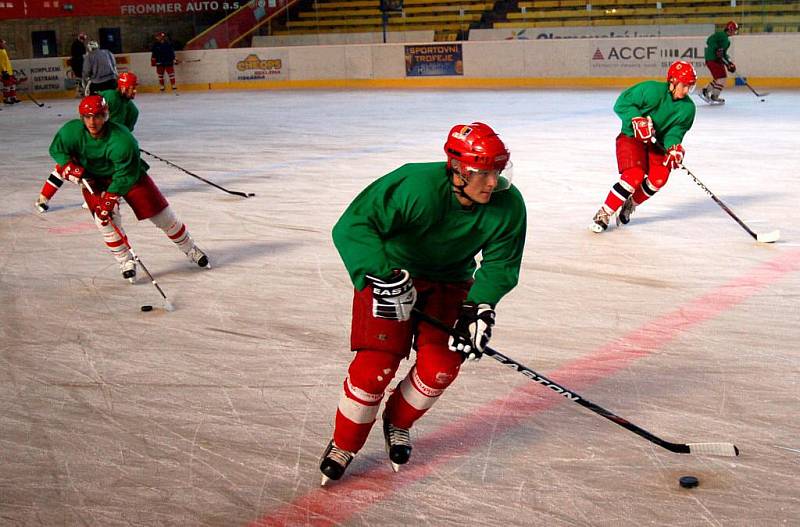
(476, 146)
(732, 27)
(127, 79)
(161, 35)
(682, 71)
(82, 36)
(93, 105)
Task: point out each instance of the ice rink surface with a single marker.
(216, 414)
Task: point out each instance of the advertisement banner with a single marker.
(255, 67)
(173, 7)
(43, 75)
(434, 59)
(554, 33)
(643, 57)
(53, 9)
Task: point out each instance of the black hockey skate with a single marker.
(334, 462)
(398, 444)
(624, 216)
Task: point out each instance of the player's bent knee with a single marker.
(372, 371)
(658, 177)
(632, 177)
(438, 369)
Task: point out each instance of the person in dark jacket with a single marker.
(163, 58)
(77, 52)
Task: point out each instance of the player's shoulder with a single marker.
(509, 199)
(417, 182)
(421, 169)
(415, 174)
(72, 126)
(109, 95)
(120, 133)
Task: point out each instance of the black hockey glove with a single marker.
(393, 298)
(474, 329)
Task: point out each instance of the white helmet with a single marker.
(92, 45)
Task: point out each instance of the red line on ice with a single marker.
(342, 500)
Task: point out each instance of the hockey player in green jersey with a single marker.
(106, 156)
(410, 239)
(717, 61)
(655, 117)
(121, 110)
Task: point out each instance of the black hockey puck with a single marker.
(688, 482)
(147, 308)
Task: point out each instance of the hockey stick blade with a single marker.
(711, 449)
(768, 237)
(34, 101)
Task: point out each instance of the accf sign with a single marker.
(627, 53)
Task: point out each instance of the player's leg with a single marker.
(147, 202)
(380, 345)
(171, 73)
(657, 176)
(160, 73)
(435, 369)
(631, 163)
(114, 239)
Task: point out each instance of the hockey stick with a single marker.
(167, 304)
(767, 237)
(243, 194)
(764, 94)
(37, 103)
(714, 449)
(744, 81)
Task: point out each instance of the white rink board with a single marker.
(503, 61)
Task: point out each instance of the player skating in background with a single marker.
(655, 116)
(122, 110)
(162, 56)
(106, 156)
(7, 73)
(410, 238)
(717, 61)
(99, 69)
(121, 107)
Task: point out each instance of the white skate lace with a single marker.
(398, 436)
(195, 254)
(342, 457)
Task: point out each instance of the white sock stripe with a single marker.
(362, 395)
(422, 387)
(416, 393)
(356, 411)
